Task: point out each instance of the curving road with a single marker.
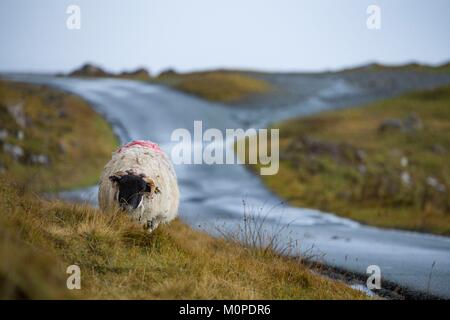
(213, 196)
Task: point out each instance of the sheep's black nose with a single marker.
(131, 201)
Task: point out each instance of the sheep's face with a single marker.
(131, 189)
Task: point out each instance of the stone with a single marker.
(20, 135)
(435, 184)
(390, 125)
(18, 113)
(362, 169)
(16, 152)
(40, 159)
(405, 177)
(62, 148)
(360, 155)
(3, 134)
(412, 123)
(404, 162)
(438, 149)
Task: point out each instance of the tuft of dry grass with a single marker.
(119, 260)
(218, 86)
(60, 126)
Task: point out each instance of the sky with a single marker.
(188, 35)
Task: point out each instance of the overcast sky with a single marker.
(284, 35)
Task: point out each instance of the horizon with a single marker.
(200, 36)
(230, 69)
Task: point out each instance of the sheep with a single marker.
(140, 180)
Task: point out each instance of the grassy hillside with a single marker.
(218, 86)
(49, 139)
(119, 260)
(386, 164)
(416, 67)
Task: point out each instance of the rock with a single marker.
(167, 72)
(20, 135)
(16, 152)
(390, 125)
(139, 73)
(40, 159)
(17, 112)
(438, 149)
(404, 162)
(62, 147)
(362, 169)
(405, 178)
(360, 155)
(412, 123)
(4, 134)
(435, 184)
(89, 70)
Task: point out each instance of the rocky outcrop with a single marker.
(140, 74)
(411, 123)
(167, 72)
(89, 70)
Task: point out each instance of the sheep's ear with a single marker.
(117, 176)
(151, 186)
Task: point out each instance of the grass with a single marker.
(119, 260)
(60, 126)
(340, 162)
(415, 67)
(217, 86)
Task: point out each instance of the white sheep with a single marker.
(140, 180)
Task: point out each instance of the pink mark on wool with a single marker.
(143, 144)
